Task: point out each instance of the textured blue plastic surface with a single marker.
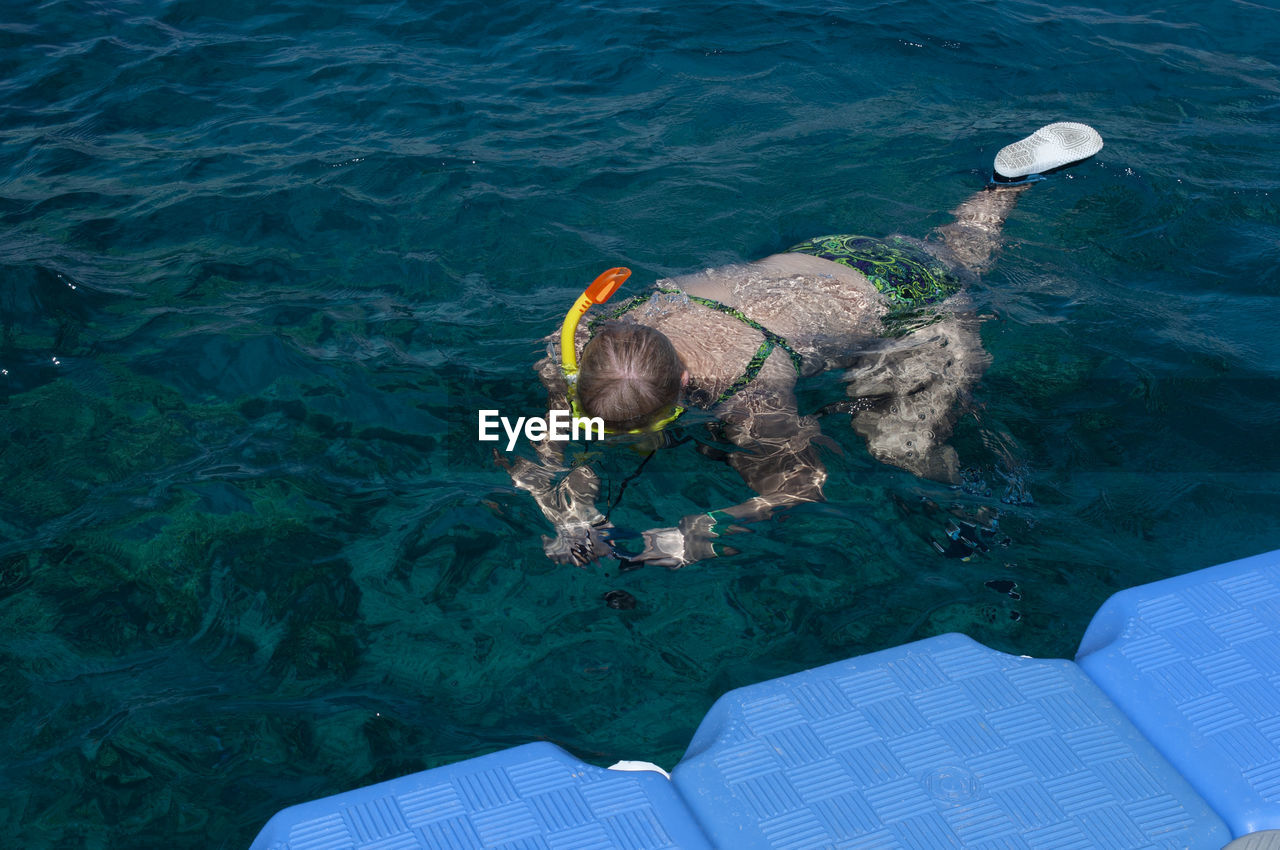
(941, 743)
(532, 797)
(1195, 662)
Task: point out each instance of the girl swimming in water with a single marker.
(733, 341)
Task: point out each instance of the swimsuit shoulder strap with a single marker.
(625, 307)
(771, 341)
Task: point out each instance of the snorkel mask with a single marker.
(600, 291)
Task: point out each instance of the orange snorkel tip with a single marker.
(603, 287)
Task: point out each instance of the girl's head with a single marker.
(629, 376)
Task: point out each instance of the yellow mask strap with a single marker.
(676, 412)
(600, 290)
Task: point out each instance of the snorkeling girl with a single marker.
(733, 342)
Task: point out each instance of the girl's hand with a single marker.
(580, 544)
(678, 546)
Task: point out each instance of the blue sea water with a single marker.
(264, 262)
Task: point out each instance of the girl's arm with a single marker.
(778, 460)
(566, 497)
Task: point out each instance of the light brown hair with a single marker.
(628, 375)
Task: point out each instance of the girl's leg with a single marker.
(971, 241)
(906, 392)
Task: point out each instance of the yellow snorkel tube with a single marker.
(600, 291)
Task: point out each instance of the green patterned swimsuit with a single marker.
(898, 268)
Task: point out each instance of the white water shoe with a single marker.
(1052, 146)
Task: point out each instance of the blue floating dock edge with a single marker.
(1163, 733)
